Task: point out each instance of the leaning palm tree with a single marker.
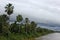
(9, 9)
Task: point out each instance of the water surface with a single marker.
(53, 36)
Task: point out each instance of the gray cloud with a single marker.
(42, 11)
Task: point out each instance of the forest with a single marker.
(19, 30)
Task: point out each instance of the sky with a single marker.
(45, 12)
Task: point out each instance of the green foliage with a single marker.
(19, 18)
(14, 27)
(3, 18)
(26, 20)
(3, 38)
(22, 31)
(9, 9)
(3, 23)
(33, 26)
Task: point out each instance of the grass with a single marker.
(13, 36)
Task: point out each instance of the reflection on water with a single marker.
(53, 36)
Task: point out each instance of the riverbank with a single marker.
(21, 36)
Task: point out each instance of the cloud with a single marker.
(41, 11)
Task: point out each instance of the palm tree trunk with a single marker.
(9, 26)
(9, 18)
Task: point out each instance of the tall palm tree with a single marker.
(19, 18)
(26, 24)
(9, 9)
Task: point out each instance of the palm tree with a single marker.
(26, 25)
(33, 26)
(9, 9)
(19, 18)
(26, 20)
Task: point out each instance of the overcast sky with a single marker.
(41, 11)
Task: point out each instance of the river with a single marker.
(52, 36)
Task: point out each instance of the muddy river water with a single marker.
(53, 36)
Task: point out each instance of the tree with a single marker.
(4, 17)
(14, 27)
(26, 25)
(0, 27)
(5, 29)
(3, 24)
(26, 20)
(33, 26)
(21, 28)
(9, 9)
(19, 18)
